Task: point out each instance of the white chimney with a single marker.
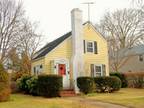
(77, 45)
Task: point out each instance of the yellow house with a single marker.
(81, 52)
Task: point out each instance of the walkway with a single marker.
(97, 104)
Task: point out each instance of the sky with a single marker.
(54, 15)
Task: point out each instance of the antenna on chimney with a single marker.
(88, 4)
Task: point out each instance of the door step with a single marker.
(67, 93)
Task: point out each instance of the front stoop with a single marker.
(68, 93)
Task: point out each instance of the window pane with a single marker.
(98, 74)
(89, 46)
(98, 68)
(98, 71)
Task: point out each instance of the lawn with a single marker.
(129, 97)
(26, 101)
(133, 98)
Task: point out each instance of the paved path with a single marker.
(98, 104)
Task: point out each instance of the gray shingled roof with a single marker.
(48, 47)
(135, 50)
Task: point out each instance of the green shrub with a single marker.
(107, 84)
(122, 77)
(22, 83)
(85, 84)
(4, 84)
(49, 85)
(32, 85)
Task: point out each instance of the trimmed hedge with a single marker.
(4, 85)
(85, 84)
(107, 84)
(122, 77)
(49, 85)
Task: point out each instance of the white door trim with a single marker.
(66, 78)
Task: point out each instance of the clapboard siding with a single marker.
(64, 50)
(90, 58)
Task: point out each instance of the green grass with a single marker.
(126, 96)
(27, 101)
(130, 97)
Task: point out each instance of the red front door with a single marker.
(61, 69)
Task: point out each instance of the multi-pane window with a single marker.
(98, 70)
(90, 47)
(37, 69)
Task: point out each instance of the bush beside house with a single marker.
(122, 77)
(22, 83)
(4, 85)
(98, 84)
(85, 84)
(130, 79)
(107, 84)
(49, 85)
(43, 85)
(32, 85)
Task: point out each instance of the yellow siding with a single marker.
(38, 62)
(64, 50)
(90, 58)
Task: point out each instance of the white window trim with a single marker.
(87, 45)
(38, 70)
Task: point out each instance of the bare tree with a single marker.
(18, 35)
(29, 41)
(11, 15)
(123, 29)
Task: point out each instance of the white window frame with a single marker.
(38, 70)
(98, 72)
(87, 46)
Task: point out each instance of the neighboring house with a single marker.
(133, 59)
(81, 52)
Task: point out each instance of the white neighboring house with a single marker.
(134, 59)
